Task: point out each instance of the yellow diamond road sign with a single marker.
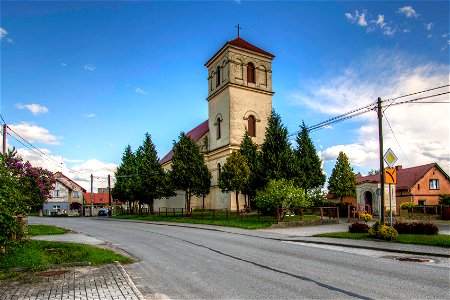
(390, 158)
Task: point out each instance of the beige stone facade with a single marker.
(239, 96)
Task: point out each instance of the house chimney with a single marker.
(398, 168)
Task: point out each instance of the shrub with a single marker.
(358, 228)
(387, 233)
(444, 199)
(366, 217)
(416, 228)
(383, 232)
(407, 205)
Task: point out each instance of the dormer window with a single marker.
(250, 73)
(218, 76)
(251, 128)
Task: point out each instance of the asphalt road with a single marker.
(186, 263)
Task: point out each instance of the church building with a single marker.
(239, 98)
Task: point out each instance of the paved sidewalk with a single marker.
(104, 282)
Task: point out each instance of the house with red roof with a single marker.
(65, 192)
(239, 85)
(420, 185)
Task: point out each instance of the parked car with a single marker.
(103, 212)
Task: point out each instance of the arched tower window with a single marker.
(251, 73)
(219, 170)
(218, 127)
(251, 125)
(218, 76)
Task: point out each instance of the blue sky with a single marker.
(81, 80)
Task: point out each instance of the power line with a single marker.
(395, 137)
(32, 145)
(415, 93)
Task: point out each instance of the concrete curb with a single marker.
(130, 282)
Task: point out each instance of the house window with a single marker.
(250, 73)
(56, 208)
(422, 202)
(75, 194)
(251, 125)
(56, 193)
(218, 127)
(434, 184)
(218, 76)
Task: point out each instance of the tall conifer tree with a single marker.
(309, 165)
(150, 182)
(189, 171)
(342, 182)
(277, 155)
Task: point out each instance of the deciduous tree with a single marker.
(234, 176)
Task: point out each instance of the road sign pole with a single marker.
(390, 205)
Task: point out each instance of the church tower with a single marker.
(239, 99)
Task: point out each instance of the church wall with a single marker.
(244, 103)
(219, 106)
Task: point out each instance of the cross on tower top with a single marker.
(238, 27)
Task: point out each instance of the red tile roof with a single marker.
(195, 134)
(246, 45)
(406, 178)
(68, 179)
(99, 198)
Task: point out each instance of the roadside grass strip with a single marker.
(248, 221)
(439, 240)
(45, 230)
(38, 255)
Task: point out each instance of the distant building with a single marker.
(420, 185)
(100, 200)
(65, 193)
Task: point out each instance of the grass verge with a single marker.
(249, 221)
(37, 255)
(45, 230)
(440, 240)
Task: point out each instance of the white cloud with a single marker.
(35, 109)
(63, 64)
(421, 129)
(408, 11)
(79, 173)
(429, 26)
(3, 32)
(90, 115)
(35, 134)
(141, 91)
(237, 1)
(89, 67)
(359, 19)
(430, 35)
(3, 35)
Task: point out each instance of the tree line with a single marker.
(276, 176)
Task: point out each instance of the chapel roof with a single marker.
(406, 178)
(241, 43)
(238, 42)
(195, 134)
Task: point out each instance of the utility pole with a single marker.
(92, 194)
(4, 138)
(380, 141)
(109, 195)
